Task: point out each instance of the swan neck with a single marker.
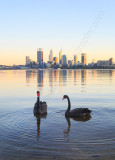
(38, 101)
(69, 104)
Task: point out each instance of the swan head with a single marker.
(65, 96)
(38, 93)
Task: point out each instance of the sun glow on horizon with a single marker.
(75, 26)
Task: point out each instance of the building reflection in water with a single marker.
(94, 73)
(64, 75)
(60, 80)
(83, 77)
(51, 76)
(40, 77)
(76, 74)
(51, 79)
(56, 76)
(60, 77)
(105, 73)
(70, 73)
(30, 75)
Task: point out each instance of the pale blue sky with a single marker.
(74, 25)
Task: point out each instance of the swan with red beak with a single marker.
(78, 112)
(40, 108)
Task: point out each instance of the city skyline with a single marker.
(63, 61)
(75, 26)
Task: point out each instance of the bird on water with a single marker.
(78, 112)
(40, 108)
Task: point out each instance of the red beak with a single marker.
(37, 94)
(63, 98)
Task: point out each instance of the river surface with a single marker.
(24, 136)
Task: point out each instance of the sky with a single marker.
(76, 26)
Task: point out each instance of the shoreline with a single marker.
(60, 69)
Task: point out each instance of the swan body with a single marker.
(40, 108)
(78, 112)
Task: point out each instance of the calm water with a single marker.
(23, 136)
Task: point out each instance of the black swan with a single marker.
(40, 108)
(78, 112)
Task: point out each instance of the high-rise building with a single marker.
(28, 60)
(83, 58)
(55, 59)
(51, 55)
(60, 56)
(110, 61)
(64, 60)
(70, 63)
(75, 59)
(39, 55)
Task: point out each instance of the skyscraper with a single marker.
(75, 59)
(55, 59)
(83, 58)
(60, 56)
(51, 55)
(39, 55)
(110, 61)
(27, 59)
(64, 60)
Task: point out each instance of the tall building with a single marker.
(39, 55)
(70, 63)
(60, 56)
(64, 60)
(75, 59)
(102, 63)
(51, 55)
(110, 61)
(83, 58)
(28, 60)
(55, 59)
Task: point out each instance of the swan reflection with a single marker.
(82, 119)
(38, 118)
